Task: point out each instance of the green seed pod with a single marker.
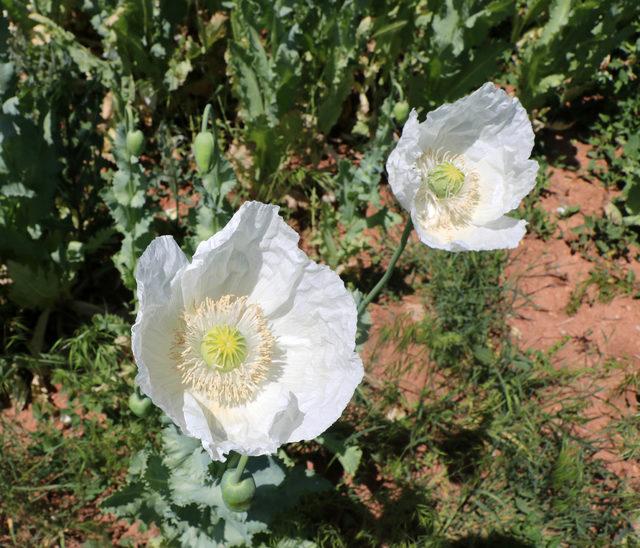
(140, 406)
(135, 142)
(445, 180)
(401, 111)
(237, 496)
(203, 149)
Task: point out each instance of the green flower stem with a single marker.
(385, 277)
(205, 118)
(240, 468)
(128, 118)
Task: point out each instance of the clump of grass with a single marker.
(468, 306)
(52, 476)
(608, 280)
(603, 237)
(492, 448)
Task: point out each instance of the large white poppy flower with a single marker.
(463, 168)
(251, 344)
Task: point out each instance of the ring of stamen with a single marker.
(448, 193)
(224, 348)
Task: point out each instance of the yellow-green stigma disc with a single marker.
(224, 348)
(445, 180)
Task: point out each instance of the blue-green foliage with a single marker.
(178, 489)
(306, 98)
(41, 259)
(126, 196)
(213, 188)
(562, 60)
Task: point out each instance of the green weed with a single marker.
(608, 283)
(54, 475)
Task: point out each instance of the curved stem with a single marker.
(129, 118)
(205, 118)
(240, 468)
(392, 263)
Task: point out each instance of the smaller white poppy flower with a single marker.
(251, 344)
(463, 168)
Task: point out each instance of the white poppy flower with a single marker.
(463, 168)
(251, 344)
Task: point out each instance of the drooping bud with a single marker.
(445, 180)
(237, 495)
(139, 405)
(135, 142)
(401, 111)
(203, 149)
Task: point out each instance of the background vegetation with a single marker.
(306, 99)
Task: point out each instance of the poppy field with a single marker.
(340, 273)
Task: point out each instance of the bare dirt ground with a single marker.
(602, 336)
(546, 273)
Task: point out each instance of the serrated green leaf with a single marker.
(349, 456)
(632, 197)
(157, 475)
(16, 190)
(558, 18)
(138, 465)
(126, 501)
(39, 287)
(177, 447)
(6, 77)
(273, 484)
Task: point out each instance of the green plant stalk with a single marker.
(240, 468)
(129, 213)
(205, 118)
(128, 118)
(392, 263)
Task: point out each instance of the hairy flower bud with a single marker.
(237, 495)
(135, 142)
(203, 149)
(401, 111)
(139, 406)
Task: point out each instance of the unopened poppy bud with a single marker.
(401, 111)
(139, 405)
(203, 149)
(135, 142)
(237, 495)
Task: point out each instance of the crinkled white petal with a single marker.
(321, 314)
(403, 177)
(247, 429)
(502, 233)
(255, 253)
(312, 318)
(160, 307)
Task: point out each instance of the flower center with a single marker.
(223, 347)
(445, 180)
(448, 193)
